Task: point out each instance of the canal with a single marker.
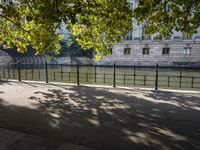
(136, 76)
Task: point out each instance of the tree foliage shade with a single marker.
(73, 49)
(96, 24)
(166, 16)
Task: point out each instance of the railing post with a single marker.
(181, 74)
(19, 71)
(156, 79)
(69, 77)
(124, 79)
(32, 71)
(46, 72)
(114, 74)
(26, 74)
(145, 78)
(77, 76)
(134, 75)
(192, 84)
(61, 69)
(39, 75)
(104, 78)
(86, 77)
(95, 73)
(168, 81)
(8, 68)
(13, 73)
(4, 74)
(54, 76)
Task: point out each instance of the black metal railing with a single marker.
(115, 75)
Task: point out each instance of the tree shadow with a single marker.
(108, 118)
(4, 82)
(29, 83)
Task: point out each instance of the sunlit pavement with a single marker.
(105, 118)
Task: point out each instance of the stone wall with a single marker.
(136, 56)
(85, 60)
(72, 60)
(5, 58)
(60, 60)
(12, 56)
(30, 59)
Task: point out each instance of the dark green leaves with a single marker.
(163, 16)
(96, 23)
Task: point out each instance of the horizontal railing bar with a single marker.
(108, 66)
(133, 79)
(178, 76)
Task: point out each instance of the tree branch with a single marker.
(27, 1)
(16, 24)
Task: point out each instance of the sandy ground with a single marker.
(103, 117)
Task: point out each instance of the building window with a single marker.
(110, 50)
(145, 36)
(145, 51)
(186, 36)
(127, 51)
(131, 5)
(186, 51)
(165, 51)
(128, 36)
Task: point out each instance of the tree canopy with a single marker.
(73, 49)
(96, 24)
(165, 16)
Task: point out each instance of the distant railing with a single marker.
(115, 75)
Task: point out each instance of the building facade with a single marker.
(139, 48)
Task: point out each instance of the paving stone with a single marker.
(8, 137)
(30, 142)
(25, 146)
(12, 140)
(37, 140)
(73, 147)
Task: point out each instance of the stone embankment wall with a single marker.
(155, 56)
(5, 58)
(12, 56)
(71, 60)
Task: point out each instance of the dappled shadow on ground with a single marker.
(4, 82)
(110, 119)
(30, 84)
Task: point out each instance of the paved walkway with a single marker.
(105, 118)
(13, 140)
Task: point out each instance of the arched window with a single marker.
(144, 35)
(128, 36)
(186, 36)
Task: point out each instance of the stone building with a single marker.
(139, 48)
